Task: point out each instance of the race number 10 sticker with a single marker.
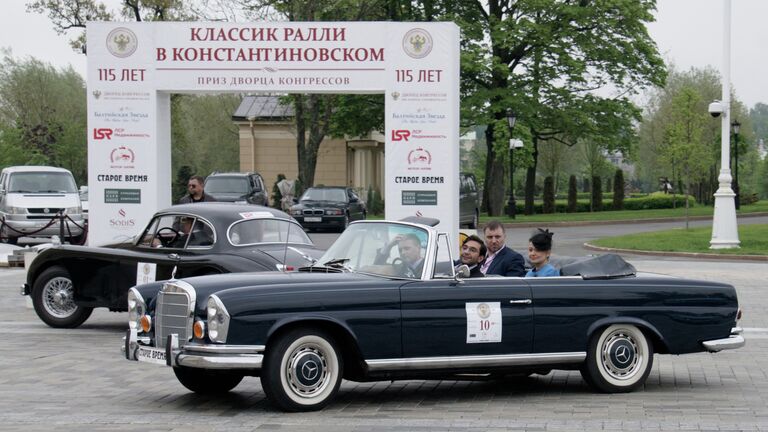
(483, 322)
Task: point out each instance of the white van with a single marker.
(32, 197)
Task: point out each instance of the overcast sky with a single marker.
(688, 33)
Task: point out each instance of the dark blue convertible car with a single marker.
(370, 311)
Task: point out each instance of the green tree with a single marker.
(596, 203)
(543, 59)
(548, 205)
(683, 149)
(42, 116)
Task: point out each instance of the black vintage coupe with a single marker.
(359, 314)
(66, 282)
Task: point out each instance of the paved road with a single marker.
(67, 380)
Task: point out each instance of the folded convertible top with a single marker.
(606, 266)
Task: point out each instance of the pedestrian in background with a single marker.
(195, 191)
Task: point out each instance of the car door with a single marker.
(475, 316)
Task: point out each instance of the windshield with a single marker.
(386, 249)
(42, 182)
(254, 231)
(223, 184)
(338, 195)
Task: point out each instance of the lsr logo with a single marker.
(102, 133)
(401, 134)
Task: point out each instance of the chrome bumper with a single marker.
(203, 356)
(735, 340)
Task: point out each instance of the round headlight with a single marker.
(218, 320)
(136, 309)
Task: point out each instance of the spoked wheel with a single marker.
(619, 359)
(53, 297)
(302, 371)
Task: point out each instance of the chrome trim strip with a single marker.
(246, 361)
(421, 363)
(732, 342)
(224, 349)
(737, 330)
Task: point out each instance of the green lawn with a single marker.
(754, 241)
(761, 206)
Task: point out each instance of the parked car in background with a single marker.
(32, 198)
(328, 207)
(67, 282)
(241, 188)
(359, 315)
(469, 201)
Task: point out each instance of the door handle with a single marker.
(173, 256)
(525, 301)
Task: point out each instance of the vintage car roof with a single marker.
(224, 210)
(606, 266)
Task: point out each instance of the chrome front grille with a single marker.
(174, 312)
(313, 212)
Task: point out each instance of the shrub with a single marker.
(572, 195)
(618, 190)
(597, 194)
(549, 195)
(374, 205)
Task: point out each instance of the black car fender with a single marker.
(659, 342)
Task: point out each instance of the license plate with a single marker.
(313, 219)
(151, 355)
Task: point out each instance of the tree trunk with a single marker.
(530, 178)
(493, 194)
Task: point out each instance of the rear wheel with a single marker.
(53, 297)
(302, 370)
(204, 381)
(619, 359)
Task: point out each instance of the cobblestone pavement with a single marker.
(76, 380)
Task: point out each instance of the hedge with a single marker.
(656, 200)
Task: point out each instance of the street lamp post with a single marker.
(736, 128)
(511, 205)
(725, 233)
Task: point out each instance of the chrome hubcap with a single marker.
(307, 371)
(621, 355)
(58, 297)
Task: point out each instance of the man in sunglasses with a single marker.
(196, 193)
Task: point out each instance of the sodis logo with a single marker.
(122, 221)
(102, 133)
(401, 134)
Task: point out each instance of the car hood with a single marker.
(323, 204)
(235, 286)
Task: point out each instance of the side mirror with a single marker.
(353, 200)
(295, 200)
(462, 271)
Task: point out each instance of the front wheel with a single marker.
(619, 359)
(204, 381)
(53, 297)
(302, 370)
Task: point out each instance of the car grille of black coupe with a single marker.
(174, 312)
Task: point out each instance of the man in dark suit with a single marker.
(501, 260)
(473, 252)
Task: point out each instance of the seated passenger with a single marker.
(410, 262)
(473, 252)
(501, 260)
(539, 250)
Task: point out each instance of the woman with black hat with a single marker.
(539, 250)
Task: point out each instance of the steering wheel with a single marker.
(167, 240)
(399, 265)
